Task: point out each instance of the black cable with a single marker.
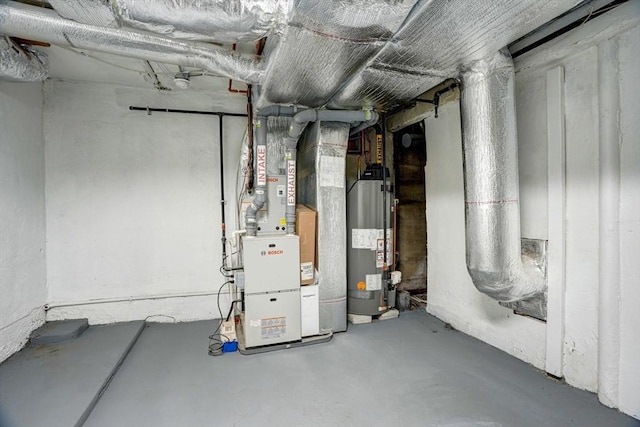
(211, 337)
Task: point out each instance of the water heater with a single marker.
(368, 245)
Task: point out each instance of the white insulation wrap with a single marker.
(25, 21)
(492, 208)
(22, 63)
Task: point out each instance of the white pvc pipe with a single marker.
(609, 211)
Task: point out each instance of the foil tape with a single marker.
(22, 63)
(25, 21)
(492, 210)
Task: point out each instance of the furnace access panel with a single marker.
(272, 290)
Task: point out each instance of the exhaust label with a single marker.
(262, 165)
(291, 182)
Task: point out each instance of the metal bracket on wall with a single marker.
(436, 97)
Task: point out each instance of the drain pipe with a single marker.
(360, 119)
(492, 210)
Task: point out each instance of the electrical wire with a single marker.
(212, 338)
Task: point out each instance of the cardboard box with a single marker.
(309, 310)
(306, 230)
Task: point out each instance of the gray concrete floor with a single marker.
(56, 385)
(410, 371)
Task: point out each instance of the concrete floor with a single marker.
(410, 371)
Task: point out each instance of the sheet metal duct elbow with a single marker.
(492, 211)
(20, 20)
(22, 63)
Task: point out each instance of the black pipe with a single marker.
(150, 110)
(221, 115)
(385, 273)
(436, 97)
(223, 224)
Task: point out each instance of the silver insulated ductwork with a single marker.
(22, 63)
(20, 20)
(227, 21)
(492, 208)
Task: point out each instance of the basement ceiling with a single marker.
(319, 53)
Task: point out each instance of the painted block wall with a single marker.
(452, 296)
(23, 289)
(134, 202)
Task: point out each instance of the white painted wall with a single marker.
(452, 296)
(23, 288)
(133, 201)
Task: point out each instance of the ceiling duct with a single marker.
(492, 209)
(383, 53)
(324, 43)
(227, 21)
(20, 20)
(22, 63)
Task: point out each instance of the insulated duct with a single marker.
(20, 20)
(359, 119)
(22, 63)
(320, 174)
(227, 21)
(492, 210)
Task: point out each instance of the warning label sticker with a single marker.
(273, 327)
(306, 270)
(374, 282)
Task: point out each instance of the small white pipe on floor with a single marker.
(131, 298)
(609, 211)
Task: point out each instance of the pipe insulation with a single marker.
(492, 210)
(228, 21)
(22, 63)
(20, 20)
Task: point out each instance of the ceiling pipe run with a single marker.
(20, 20)
(22, 63)
(228, 21)
(492, 209)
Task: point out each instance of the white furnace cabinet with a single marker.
(272, 290)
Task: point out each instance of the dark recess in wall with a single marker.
(409, 160)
